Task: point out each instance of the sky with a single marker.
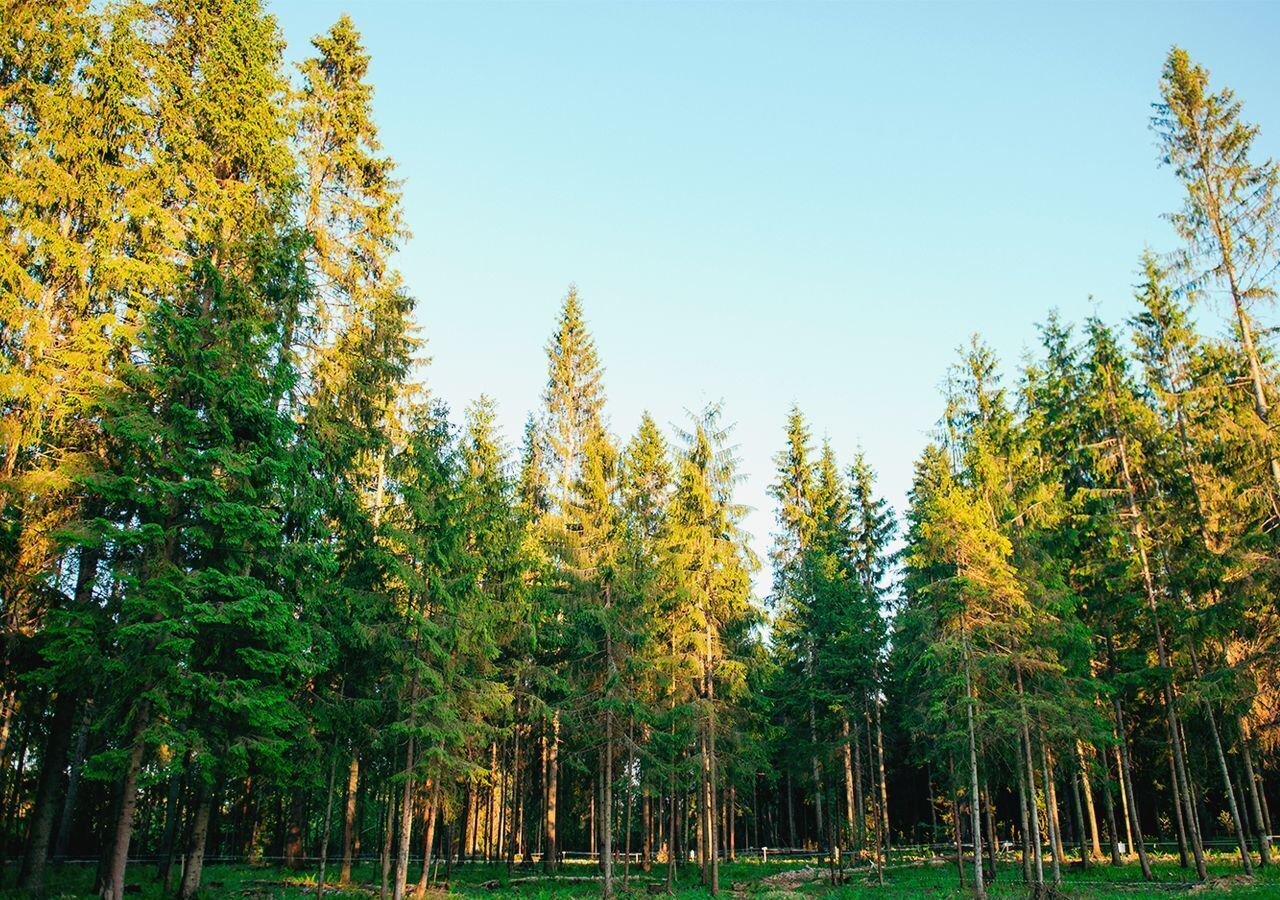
(769, 204)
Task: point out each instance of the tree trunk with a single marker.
(702, 805)
(955, 821)
(406, 809)
(1186, 787)
(630, 808)
(517, 797)
(859, 801)
(791, 812)
(1081, 839)
(113, 880)
(849, 798)
(172, 820)
(349, 818)
(471, 823)
(671, 835)
(1027, 874)
(646, 838)
(73, 783)
(992, 844)
(1162, 656)
(328, 823)
(1131, 806)
(1109, 807)
(713, 774)
(50, 787)
(1089, 807)
(193, 867)
(9, 704)
(1232, 808)
(877, 838)
(433, 805)
(1051, 810)
(294, 846)
(551, 856)
(979, 881)
(388, 834)
(1029, 768)
(731, 821)
(884, 788)
(606, 806)
(1255, 802)
(48, 797)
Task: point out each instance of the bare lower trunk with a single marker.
(606, 807)
(517, 794)
(1090, 809)
(813, 741)
(1228, 789)
(406, 821)
(1026, 825)
(172, 812)
(646, 840)
(1255, 800)
(711, 751)
(1037, 839)
(73, 783)
(1051, 811)
(293, 845)
(955, 821)
(9, 707)
(49, 790)
(877, 838)
(992, 846)
(671, 830)
(328, 823)
(1078, 809)
(551, 857)
(113, 880)
(859, 801)
(472, 822)
(1109, 808)
(791, 812)
(849, 799)
(349, 818)
(193, 867)
(884, 787)
(433, 804)
(1131, 808)
(975, 804)
(1179, 809)
(1185, 786)
(388, 836)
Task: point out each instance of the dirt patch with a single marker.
(793, 878)
(1225, 883)
(781, 886)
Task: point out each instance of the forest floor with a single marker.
(775, 880)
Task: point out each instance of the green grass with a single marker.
(918, 878)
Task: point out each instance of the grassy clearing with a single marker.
(785, 880)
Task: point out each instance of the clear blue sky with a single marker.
(777, 203)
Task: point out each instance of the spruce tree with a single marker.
(1229, 217)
